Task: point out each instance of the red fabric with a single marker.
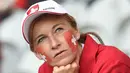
(21, 3)
(98, 58)
(45, 68)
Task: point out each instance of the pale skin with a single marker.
(48, 34)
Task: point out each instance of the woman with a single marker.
(54, 37)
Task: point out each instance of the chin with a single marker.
(64, 61)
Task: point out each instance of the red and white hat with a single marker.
(36, 10)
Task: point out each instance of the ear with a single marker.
(77, 34)
(40, 57)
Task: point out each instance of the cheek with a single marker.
(73, 44)
(40, 50)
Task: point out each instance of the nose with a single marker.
(54, 42)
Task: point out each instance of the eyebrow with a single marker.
(57, 25)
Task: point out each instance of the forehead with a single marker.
(45, 17)
(45, 22)
(49, 20)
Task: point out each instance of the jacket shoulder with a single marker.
(112, 53)
(110, 59)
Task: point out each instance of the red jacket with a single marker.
(97, 58)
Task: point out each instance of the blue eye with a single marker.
(58, 29)
(40, 39)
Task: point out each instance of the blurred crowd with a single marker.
(108, 18)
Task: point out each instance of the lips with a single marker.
(59, 53)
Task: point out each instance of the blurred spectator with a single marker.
(15, 51)
(12, 47)
(101, 16)
(0, 56)
(5, 12)
(5, 9)
(21, 3)
(24, 4)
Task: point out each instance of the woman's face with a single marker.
(55, 38)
